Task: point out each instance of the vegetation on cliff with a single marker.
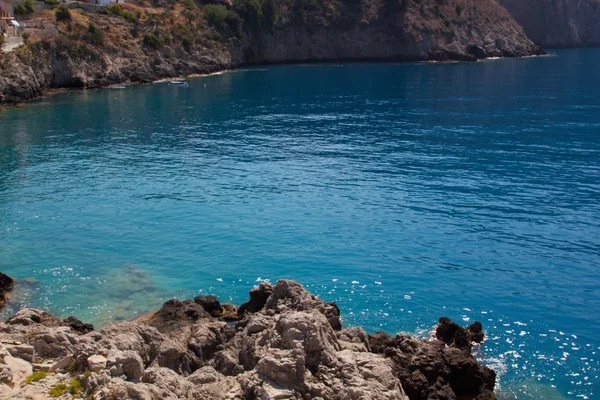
(146, 41)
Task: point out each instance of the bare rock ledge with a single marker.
(285, 344)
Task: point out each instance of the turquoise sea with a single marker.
(402, 191)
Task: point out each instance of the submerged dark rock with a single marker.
(258, 299)
(455, 335)
(79, 326)
(475, 332)
(452, 334)
(438, 369)
(6, 285)
(210, 304)
(174, 314)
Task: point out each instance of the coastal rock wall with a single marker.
(286, 344)
(382, 29)
(26, 74)
(558, 23)
(136, 44)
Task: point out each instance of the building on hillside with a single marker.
(4, 22)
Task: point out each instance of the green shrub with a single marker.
(94, 35)
(75, 387)
(269, 11)
(35, 377)
(189, 5)
(51, 2)
(113, 9)
(216, 16)
(187, 43)
(249, 10)
(58, 390)
(63, 14)
(20, 10)
(227, 23)
(29, 7)
(184, 34)
(151, 41)
(74, 364)
(118, 9)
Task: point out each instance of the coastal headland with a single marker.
(283, 343)
(92, 47)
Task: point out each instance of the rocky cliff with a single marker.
(558, 23)
(134, 43)
(389, 30)
(284, 343)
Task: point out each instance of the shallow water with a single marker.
(402, 191)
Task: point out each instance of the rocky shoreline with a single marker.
(284, 343)
(124, 44)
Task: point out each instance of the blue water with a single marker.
(402, 191)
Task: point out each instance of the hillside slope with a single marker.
(144, 43)
(558, 23)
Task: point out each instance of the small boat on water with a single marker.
(178, 82)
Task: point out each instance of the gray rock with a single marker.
(96, 362)
(62, 364)
(355, 339)
(24, 351)
(13, 371)
(289, 349)
(204, 375)
(29, 316)
(128, 363)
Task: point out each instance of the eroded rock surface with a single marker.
(290, 345)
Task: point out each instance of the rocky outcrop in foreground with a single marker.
(286, 344)
(558, 23)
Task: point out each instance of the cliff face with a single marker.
(99, 49)
(142, 44)
(390, 29)
(558, 23)
(26, 74)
